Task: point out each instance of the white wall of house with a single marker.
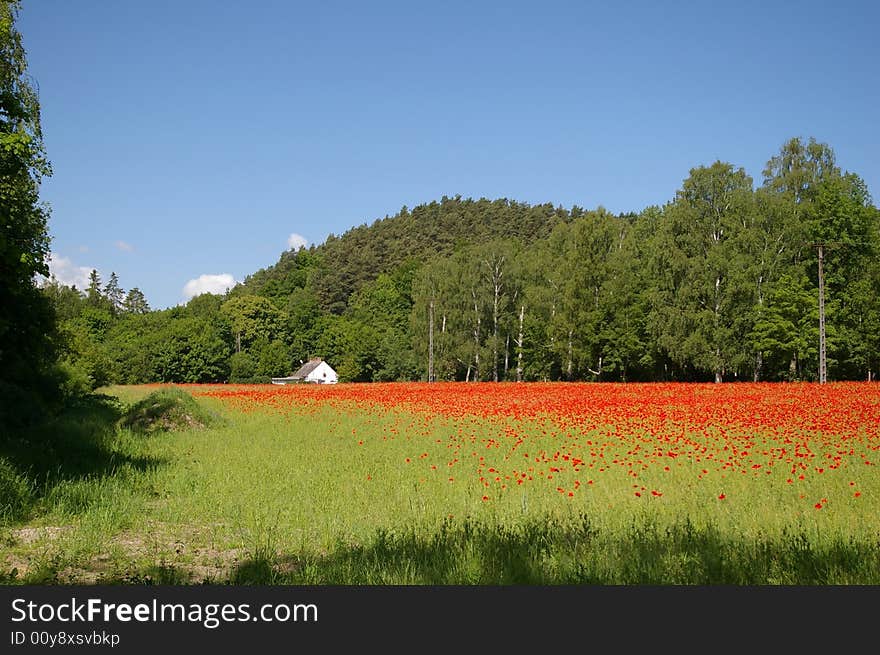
(323, 374)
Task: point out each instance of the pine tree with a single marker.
(93, 293)
(135, 302)
(114, 293)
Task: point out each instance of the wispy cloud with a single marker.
(68, 273)
(208, 283)
(296, 241)
(125, 247)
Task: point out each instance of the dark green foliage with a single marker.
(192, 350)
(39, 463)
(135, 302)
(273, 359)
(26, 320)
(165, 410)
(342, 265)
(243, 369)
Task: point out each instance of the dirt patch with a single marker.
(32, 535)
(172, 548)
(156, 554)
(15, 566)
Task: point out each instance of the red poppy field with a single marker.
(816, 443)
(464, 483)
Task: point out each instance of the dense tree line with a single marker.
(721, 283)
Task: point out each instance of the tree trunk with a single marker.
(519, 345)
(431, 341)
(495, 275)
(495, 348)
(759, 364)
(478, 320)
(568, 367)
(718, 366)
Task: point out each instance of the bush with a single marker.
(167, 409)
(74, 380)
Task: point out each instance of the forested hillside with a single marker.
(720, 283)
(438, 228)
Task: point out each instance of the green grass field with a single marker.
(340, 494)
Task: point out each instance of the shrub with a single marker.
(167, 409)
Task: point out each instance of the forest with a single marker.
(720, 283)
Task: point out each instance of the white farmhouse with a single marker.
(316, 370)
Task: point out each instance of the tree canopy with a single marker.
(27, 321)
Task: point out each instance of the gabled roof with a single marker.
(307, 368)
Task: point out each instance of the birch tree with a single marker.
(700, 239)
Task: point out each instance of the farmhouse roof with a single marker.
(307, 368)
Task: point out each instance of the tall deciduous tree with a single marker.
(253, 317)
(26, 319)
(700, 243)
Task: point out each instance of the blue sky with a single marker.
(191, 139)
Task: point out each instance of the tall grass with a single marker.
(346, 495)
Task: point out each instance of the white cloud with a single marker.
(126, 247)
(68, 273)
(208, 284)
(296, 241)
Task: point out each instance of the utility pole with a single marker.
(823, 367)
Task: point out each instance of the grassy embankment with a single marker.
(117, 492)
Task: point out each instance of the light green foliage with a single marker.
(701, 243)
(787, 326)
(252, 318)
(351, 347)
